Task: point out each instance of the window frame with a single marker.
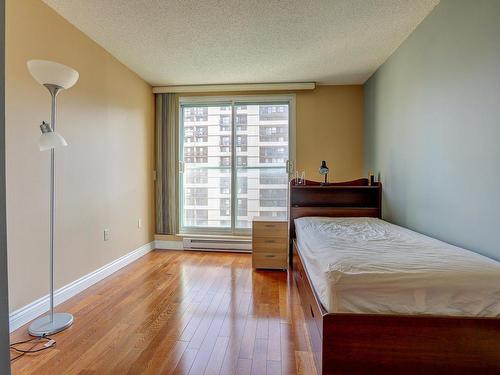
(232, 102)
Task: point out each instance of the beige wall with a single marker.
(329, 126)
(103, 177)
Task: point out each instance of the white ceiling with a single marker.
(169, 42)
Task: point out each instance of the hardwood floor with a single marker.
(179, 312)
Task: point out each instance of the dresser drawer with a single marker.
(269, 245)
(269, 260)
(270, 229)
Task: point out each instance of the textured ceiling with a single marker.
(171, 42)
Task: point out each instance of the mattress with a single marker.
(367, 265)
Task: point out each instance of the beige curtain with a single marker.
(166, 164)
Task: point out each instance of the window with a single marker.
(273, 154)
(242, 207)
(195, 114)
(196, 176)
(221, 143)
(225, 207)
(241, 122)
(242, 161)
(196, 201)
(225, 203)
(241, 143)
(196, 218)
(241, 140)
(194, 160)
(196, 151)
(280, 214)
(242, 185)
(225, 161)
(196, 134)
(196, 196)
(272, 176)
(273, 112)
(225, 185)
(225, 123)
(273, 197)
(273, 133)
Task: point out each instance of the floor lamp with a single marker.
(55, 77)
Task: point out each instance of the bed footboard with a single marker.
(355, 343)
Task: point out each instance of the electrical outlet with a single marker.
(139, 223)
(107, 233)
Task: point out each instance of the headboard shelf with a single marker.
(334, 187)
(345, 199)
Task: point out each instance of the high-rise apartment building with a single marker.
(259, 145)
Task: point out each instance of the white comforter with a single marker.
(367, 265)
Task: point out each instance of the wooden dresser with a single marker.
(270, 243)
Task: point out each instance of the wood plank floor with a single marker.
(179, 312)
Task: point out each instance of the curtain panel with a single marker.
(166, 164)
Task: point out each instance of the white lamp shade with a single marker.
(51, 140)
(49, 72)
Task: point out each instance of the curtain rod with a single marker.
(235, 87)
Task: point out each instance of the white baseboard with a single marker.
(36, 308)
(169, 245)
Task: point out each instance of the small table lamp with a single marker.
(323, 170)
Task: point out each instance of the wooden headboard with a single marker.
(352, 198)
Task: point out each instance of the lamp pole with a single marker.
(54, 90)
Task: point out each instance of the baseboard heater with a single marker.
(216, 244)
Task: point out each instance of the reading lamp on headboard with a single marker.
(323, 170)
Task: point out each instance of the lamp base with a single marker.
(44, 327)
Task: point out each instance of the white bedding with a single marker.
(367, 265)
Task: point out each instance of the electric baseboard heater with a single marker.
(216, 244)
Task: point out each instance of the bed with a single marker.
(379, 298)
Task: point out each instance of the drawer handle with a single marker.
(312, 312)
(269, 225)
(269, 241)
(270, 256)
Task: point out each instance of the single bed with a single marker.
(380, 298)
(367, 265)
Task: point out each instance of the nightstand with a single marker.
(270, 243)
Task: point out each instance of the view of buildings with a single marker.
(260, 150)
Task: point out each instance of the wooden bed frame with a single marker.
(375, 343)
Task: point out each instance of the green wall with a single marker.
(432, 127)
